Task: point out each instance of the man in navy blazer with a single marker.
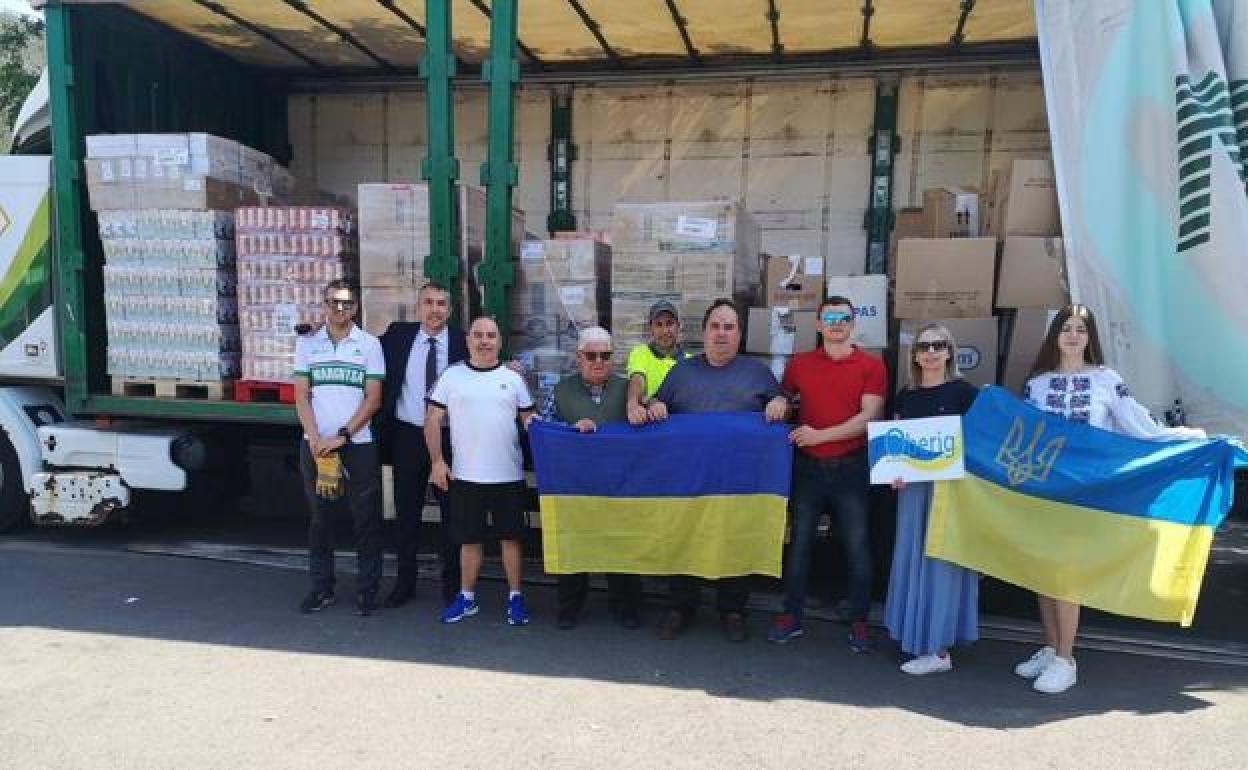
(416, 355)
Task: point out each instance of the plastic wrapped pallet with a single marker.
(178, 171)
(286, 256)
(562, 286)
(690, 253)
(164, 204)
(395, 240)
(169, 286)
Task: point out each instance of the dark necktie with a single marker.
(431, 366)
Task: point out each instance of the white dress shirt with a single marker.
(411, 405)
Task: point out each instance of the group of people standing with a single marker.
(451, 413)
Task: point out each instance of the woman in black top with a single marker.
(931, 604)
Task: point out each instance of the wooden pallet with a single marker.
(138, 387)
(257, 391)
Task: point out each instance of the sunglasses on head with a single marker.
(594, 355)
(933, 346)
(836, 318)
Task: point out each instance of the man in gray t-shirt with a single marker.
(717, 381)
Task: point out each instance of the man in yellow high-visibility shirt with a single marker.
(649, 363)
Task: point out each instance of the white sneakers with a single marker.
(1060, 676)
(1036, 664)
(1052, 674)
(928, 664)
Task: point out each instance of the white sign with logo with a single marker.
(923, 449)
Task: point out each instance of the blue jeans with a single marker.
(837, 486)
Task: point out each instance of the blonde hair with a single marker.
(951, 366)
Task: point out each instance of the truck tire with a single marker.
(14, 507)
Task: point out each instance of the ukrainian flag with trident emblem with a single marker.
(1082, 514)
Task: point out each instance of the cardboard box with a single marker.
(780, 330)
(1026, 335)
(951, 212)
(1033, 273)
(567, 259)
(699, 249)
(1024, 201)
(869, 293)
(907, 223)
(793, 281)
(977, 347)
(382, 306)
(944, 277)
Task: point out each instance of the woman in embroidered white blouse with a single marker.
(1070, 379)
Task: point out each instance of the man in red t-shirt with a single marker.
(840, 389)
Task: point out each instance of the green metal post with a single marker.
(67, 186)
(884, 147)
(440, 168)
(561, 154)
(498, 174)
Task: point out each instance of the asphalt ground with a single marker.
(110, 658)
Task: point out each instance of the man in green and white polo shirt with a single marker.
(338, 374)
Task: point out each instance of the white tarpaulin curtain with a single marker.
(1148, 115)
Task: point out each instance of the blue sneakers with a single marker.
(517, 612)
(461, 608)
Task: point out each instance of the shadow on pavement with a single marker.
(204, 602)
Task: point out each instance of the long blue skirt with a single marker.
(932, 604)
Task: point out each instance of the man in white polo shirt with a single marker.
(338, 374)
(482, 400)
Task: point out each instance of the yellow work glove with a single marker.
(329, 476)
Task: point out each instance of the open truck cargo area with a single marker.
(775, 105)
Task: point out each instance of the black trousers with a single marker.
(623, 592)
(412, 466)
(363, 497)
(731, 594)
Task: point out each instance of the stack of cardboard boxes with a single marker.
(951, 276)
(688, 253)
(286, 256)
(165, 209)
(785, 323)
(562, 286)
(793, 289)
(1032, 284)
(395, 240)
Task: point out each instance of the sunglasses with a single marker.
(935, 346)
(593, 355)
(342, 304)
(836, 318)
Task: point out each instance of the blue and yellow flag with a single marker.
(700, 495)
(1082, 514)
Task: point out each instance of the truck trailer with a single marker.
(823, 118)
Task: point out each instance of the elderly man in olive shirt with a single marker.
(585, 400)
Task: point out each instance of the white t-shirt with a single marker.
(482, 406)
(1098, 396)
(336, 374)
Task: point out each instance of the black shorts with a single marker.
(474, 506)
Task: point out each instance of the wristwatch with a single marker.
(346, 434)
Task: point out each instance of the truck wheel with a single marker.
(14, 507)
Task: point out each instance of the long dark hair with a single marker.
(1050, 356)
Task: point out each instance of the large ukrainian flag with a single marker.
(697, 495)
(1082, 514)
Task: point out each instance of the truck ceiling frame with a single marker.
(272, 49)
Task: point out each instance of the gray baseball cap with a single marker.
(660, 307)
